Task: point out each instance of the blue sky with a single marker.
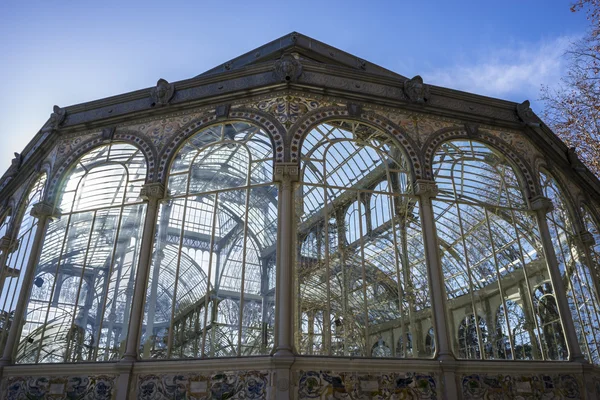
(69, 52)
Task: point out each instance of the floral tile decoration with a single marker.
(99, 387)
(219, 385)
(540, 386)
(358, 385)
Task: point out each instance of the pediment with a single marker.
(305, 49)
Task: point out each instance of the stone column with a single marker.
(43, 211)
(541, 206)
(286, 174)
(427, 190)
(152, 193)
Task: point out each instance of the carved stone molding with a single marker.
(57, 117)
(472, 129)
(283, 384)
(44, 209)
(287, 68)
(222, 111)
(425, 187)
(541, 203)
(163, 92)
(526, 114)
(416, 90)
(286, 173)
(155, 190)
(354, 110)
(108, 133)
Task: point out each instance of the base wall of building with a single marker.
(302, 378)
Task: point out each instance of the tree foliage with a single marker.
(573, 108)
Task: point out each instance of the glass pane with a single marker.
(362, 279)
(492, 258)
(211, 288)
(83, 283)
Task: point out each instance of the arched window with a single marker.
(510, 326)
(575, 270)
(360, 261)
(381, 350)
(14, 269)
(430, 343)
(548, 318)
(222, 203)
(472, 337)
(489, 242)
(82, 290)
(404, 347)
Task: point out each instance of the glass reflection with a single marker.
(211, 291)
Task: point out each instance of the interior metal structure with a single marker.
(299, 223)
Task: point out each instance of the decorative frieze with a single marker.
(101, 387)
(155, 190)
(516, 386)
(197, 386)
(288, 109)
(359, 385)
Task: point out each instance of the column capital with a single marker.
(45, 209)
(541, 203)
(7, 244)
(286, 171)
(425, 187)
(154, 190)
(586, 238)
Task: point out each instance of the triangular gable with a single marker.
(307, 48)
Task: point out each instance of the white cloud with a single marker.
(514, 73)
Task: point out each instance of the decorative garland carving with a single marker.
(288, 109)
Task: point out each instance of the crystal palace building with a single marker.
(299, 223)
